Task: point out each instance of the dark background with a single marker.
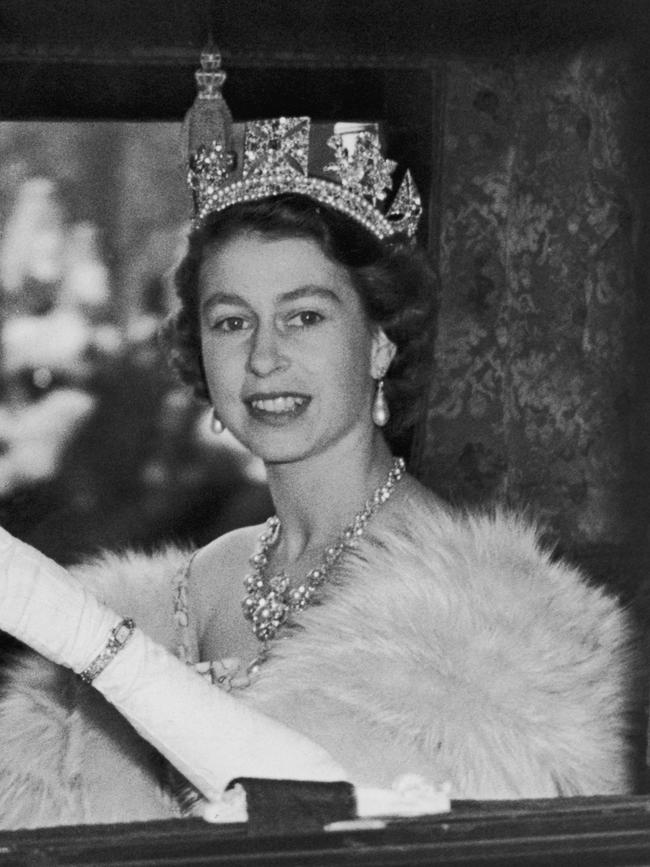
(118, 59)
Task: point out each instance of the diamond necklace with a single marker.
(269, 602)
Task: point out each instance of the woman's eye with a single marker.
(305, 318)
(231, 323)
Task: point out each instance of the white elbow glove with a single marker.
(207, 734)
(44, 606)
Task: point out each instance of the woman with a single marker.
(393, 632)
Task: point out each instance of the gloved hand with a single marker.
(208, 734)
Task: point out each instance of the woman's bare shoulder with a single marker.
(225, 558)
(229, 549)
(216, 577)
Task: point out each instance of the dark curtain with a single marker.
(539, 394)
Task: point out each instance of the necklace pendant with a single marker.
(268, 615)
(279, 583)
(269, 602)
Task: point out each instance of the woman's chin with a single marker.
(294, 440)
(278, 446)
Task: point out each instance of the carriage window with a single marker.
(99, 443)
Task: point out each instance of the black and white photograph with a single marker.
(324, 432)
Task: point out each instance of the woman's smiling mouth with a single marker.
(277, 408)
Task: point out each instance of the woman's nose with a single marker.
(266, 351)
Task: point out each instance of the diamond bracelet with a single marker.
(117, 640)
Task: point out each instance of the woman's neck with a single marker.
(316, 498)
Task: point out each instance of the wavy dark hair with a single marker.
(393, 279)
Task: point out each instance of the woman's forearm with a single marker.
(207, 734)
(47, 608)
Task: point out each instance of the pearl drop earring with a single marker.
(216, 425)
(380, 411)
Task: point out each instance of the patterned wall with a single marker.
(538, 386)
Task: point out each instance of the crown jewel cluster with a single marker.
(276, 159)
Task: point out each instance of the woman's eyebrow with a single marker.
(309, 291)
(223, 298)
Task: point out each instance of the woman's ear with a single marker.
(383, 352)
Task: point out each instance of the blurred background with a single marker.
(99, 443)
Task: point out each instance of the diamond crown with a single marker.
(338, 164)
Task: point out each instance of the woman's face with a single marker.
(288, 351)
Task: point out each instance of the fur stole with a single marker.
(456, 648)
(453, 647)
